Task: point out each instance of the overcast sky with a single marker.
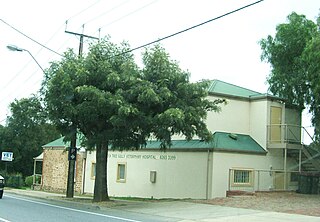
(226, 49)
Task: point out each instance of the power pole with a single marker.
(72, 152)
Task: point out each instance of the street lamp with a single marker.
(17, 49)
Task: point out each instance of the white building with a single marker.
(257, 146)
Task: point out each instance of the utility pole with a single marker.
(72, 152)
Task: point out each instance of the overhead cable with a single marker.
(130, 13)
(25, 66)
(30, 38)
(110, 10)
(188, 29)
(83, 10)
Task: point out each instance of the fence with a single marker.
(251, 180)
(285, 133)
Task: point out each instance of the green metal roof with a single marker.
(56, 143)
(59, 143)
(181, 144)
(236, 142)
(222, 141)
(221, 87)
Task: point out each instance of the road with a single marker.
(14, 208)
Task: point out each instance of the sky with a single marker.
(226, 48)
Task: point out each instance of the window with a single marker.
(121, 172)
(93, 170)
(242, 177)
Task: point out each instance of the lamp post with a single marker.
(17, 49)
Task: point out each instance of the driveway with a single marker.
(285, 202)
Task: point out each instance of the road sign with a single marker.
(7, 156)
(72, 155)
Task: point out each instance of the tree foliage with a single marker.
(60, 93)
(114, 104)
(26, 132)
(293, 54)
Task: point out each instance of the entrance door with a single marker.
(275, 121)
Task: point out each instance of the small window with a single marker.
(242, 177)
(121, 172)
(93, 170)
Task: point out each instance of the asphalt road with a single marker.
(14, 208)
(30, 205)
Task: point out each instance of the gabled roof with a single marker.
(56, 143)
(60, 143)
(224, 88)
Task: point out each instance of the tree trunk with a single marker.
(100, 184)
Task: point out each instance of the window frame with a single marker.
(119, 165)
(250, 177)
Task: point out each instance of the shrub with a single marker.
(29, 181)
(14, 180)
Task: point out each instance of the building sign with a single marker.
(7, 156)
(143, 156)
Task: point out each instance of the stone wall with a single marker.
(55, 170)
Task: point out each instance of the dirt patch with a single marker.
(286, 202)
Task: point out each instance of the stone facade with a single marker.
(55, 170)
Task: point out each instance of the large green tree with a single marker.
(114, 104)
(311, 59)
(26, 131)
(293, 54)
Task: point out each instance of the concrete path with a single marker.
(186, 212)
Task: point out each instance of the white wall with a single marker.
(180, 175)
(259, 121)
(89, 181)
(240, 116)
(233, 117)
(222, 162)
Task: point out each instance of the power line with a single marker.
(15, 76)
(25, 66)
(192, 27)
(83, 10)
(150, 43)
(130, 13)
(30, 38)
(20, 90)
(118, 19)
(3, 120)
(21, 71)
(110, 10)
